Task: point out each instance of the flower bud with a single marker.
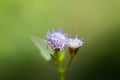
(74, 45)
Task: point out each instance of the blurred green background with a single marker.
(97, 21)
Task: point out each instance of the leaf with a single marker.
(45, 49)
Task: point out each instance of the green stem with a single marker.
(61, 76)
(69, 62)
(60, 70)
(59, 66)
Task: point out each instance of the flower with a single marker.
(74, 45)
(57, 39)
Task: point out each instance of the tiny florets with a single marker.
(57, 39)
(75, 43)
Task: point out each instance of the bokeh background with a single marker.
(97, 21)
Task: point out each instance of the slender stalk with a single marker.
(60, 70)
(61, 76)
(68, 64)
(60, 67)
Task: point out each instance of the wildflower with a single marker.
(74, 45)
(57, 39)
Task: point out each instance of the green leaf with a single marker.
(45, 49)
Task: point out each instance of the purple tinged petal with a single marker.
(57, 39)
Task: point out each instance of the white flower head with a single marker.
(75, 43)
